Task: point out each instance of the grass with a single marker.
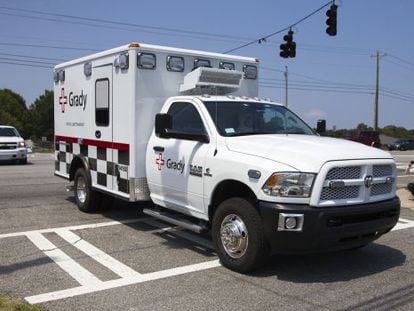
(10, 304)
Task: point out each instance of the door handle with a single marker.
(98, 134)
(158, 148)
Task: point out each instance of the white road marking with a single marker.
(89, 283)
(74, 228)
(95, 253)
(76, 291)
(75, 270)
(403, 224)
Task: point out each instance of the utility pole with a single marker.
(377, 56)
(286, 85)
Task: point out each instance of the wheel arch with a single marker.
(227, 189)
(79, 161)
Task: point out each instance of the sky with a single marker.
(330, 78)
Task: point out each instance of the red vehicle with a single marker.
(370, 138)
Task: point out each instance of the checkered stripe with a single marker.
(108, 167)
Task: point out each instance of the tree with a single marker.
(41, 116)
(13, 110)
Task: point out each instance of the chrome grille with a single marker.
(349, 192)
(382, 170)
(348, 172)
(378, 189)
(357, 183)
(7, 146)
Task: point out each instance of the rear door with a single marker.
(101, 163)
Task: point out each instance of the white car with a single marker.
(12, 146)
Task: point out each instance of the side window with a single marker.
(102, 102)
(186, 119)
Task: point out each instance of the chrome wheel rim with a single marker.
(81, 189)
(234, 236)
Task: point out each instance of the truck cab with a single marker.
(255, 173)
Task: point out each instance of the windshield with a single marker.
(253, 118)
(8, 132)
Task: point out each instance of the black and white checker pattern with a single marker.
(108, 167)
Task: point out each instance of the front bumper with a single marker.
(13, 154)
(331, 228)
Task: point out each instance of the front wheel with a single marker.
(238, 235)
(87, 199)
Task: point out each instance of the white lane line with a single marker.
(403, 224)
(73, 228)
(75, 270)
(76, 291)
(95, 253)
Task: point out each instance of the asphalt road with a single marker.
(55, 255)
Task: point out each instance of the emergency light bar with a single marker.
(211, 81)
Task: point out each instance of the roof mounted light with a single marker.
(147, 61)
(227, 66)
(175, 63)
(61, 75)
(250, 72)
(87, 69)
(133, 45)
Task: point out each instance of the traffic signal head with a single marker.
(284, 50)
(288, 49)
(332, 20)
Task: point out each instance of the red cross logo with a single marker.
(63, 100)
(159, 161)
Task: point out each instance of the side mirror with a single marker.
(163, 122)
(321, 127)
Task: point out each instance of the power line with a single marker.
(33, 57)
(25, 65)
(264, 38)
(400, 59)
(119, 23)
(49, 47)
(27, 61)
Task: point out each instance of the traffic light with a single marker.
(331, 21)
(288, 49)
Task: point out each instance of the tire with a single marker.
(87, 199)
(238, 236)
(23, 161)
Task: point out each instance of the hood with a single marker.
(305, 153)
(9, 139)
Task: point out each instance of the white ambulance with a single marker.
(186, 130)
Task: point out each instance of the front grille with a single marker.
(382, 170)
(378, 189)
(350, 192)
(357, 183)
(348, 172)
(7, 146)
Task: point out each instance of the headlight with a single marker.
(22, 144)
(289, 185)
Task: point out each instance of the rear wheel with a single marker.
(87, 199)
(238, 235)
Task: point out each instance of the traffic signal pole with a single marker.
(377, 56)
(286, 85)
(376, 95)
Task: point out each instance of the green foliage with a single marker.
(41, 116)
(397, 131)
(13, 110)
(10, 304)
(33, 122)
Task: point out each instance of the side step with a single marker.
(175, 219)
